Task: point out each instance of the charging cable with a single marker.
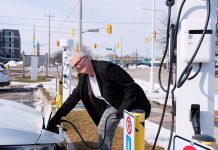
(105, 127)
(186, 72)
(169, 3)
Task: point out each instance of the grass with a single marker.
(28, 79)
(89, 132)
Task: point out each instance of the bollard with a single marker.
(7, 67)
(139, 129)
(59, 92)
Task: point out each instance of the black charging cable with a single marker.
(187, 70)
(169, 3)
(105, 127)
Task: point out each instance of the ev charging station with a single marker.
(199, 91)
(67, 44)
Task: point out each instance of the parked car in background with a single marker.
(4, 75)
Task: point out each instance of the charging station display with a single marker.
(191, 32)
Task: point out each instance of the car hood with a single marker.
(21, 124)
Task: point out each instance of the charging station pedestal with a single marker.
(201, 89)
(67, 44)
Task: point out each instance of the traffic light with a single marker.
(57, 43)
(154, 34)
(95, 45)
(72, 32)
(146, 40)
(118, 45)
(109, 28)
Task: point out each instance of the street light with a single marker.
(152, 50)
(152, 45)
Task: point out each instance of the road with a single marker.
(28, 96)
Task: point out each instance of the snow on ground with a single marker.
(13, 63)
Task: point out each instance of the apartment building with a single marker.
(10, 45)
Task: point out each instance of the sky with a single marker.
(131, 23)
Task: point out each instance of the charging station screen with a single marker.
(181, 143)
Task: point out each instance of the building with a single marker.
(10, 45)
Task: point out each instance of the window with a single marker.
(9, 56)
(9, 50)
(9, 44)
(8, 33)
(9, 39)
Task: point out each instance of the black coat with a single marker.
(116, 87)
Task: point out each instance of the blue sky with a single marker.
(128, 18)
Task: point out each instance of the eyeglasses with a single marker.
(78, 63)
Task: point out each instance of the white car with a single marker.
(4, 76)
(22, 128)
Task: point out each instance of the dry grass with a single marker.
(28, 79)
(88, 130)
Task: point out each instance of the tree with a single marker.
(57, 57)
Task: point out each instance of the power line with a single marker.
(88, 22)
(68, 16)
(61, 28)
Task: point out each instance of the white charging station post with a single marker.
(67, 44)
(201, 89)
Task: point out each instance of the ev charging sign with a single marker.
(129, 131)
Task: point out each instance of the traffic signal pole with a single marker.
(80, 26)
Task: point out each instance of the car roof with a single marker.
(21, 124)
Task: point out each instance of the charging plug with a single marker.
(195, 118)
(170, 2)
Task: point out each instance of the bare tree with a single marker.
(57, 57)
(162, 31)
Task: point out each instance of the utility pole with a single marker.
(49, 37)
(34, 38)
(152, 50)
(114, 54)
(136, 58)
(80, 26)
(121, 50)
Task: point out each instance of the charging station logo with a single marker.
(128, 125)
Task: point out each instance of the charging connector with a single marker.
(195, 118)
